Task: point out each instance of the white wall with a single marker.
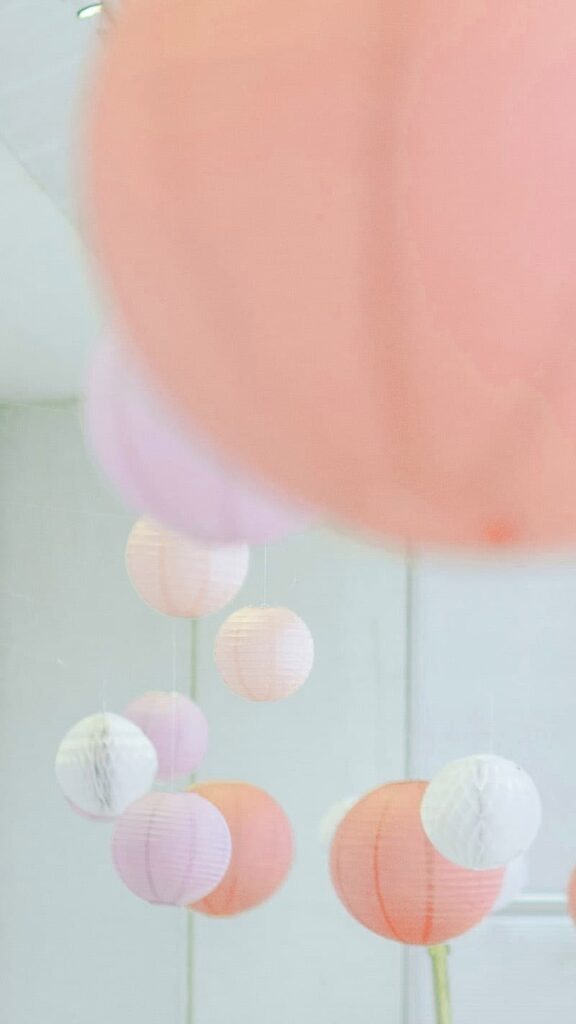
(492, 665)
(74, 945)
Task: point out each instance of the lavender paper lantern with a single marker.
(181, 577)
(171, 848)
(103, 764)
(162, 469)
(176, 726)
(264, 654)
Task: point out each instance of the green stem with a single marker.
(439, 956)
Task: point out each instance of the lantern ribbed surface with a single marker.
(262, 847)
(482, 811)
(181, 577)
(171, 848)
(392, 880)
(104, 763)
(264, 654)
(176, 726)
(162, 468)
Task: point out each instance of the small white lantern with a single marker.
(481, 812)
(104, 763)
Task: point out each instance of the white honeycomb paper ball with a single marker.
(105, 763)
(264, 654)
(481, 812)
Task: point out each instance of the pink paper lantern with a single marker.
(262, 847)
(163, 469)
(181, 577)
(264, 654)
(176, 726)
(171, 848)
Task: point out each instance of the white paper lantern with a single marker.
(181, 577)
(104, 763)
(264, 654)
(333, 817)
(481, 812)
(513, 884)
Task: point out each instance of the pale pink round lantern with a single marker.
(181, 577)
(262, 847)
(171, 848)
(162, 468)
(264, 654)
(392, 880)
(177, 728)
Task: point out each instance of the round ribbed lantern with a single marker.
(392, 880)
(482, 811)
(171, 848)
(181, 577)
(264, 654)
(103, 764)
(176, 726)
(262, 847)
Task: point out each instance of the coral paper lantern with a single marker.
(391, 879)
(482, 811)
(171, 848)
(363, 287)
(164, 470)
(103, 764)
(264, 654)
(262, 847)
(181, 577)
(176, 726)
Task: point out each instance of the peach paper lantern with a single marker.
(181, 577)
(347, 248)
(262, 847)
(264, 654)
(392, 880)
(171, 848)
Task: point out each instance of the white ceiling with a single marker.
(49, 315)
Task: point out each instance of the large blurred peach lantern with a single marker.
(343, 237)
(392, 880)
